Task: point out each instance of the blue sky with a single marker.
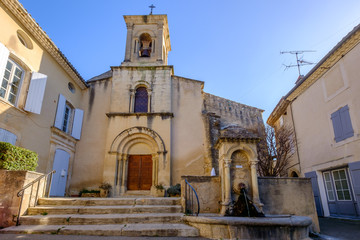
(233, 46)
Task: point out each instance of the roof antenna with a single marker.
(299, 62)
(152, 7)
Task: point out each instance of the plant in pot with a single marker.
(174, 191)
(160, 190)
(105, 189)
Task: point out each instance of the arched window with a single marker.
(141, 100)
(145, 45)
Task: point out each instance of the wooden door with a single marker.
(139, 172)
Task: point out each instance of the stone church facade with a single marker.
(144, 126)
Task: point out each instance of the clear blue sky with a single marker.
(232, 45)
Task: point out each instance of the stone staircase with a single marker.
(130, 216)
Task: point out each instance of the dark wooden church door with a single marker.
(139, 172)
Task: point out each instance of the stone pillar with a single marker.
(129, 27)
(159, 43)
(123, 187)
(149, 99)
(254, 184)
(226, 178)
(132, 100)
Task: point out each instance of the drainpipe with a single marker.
(296, 142)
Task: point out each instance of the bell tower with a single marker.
(147, 41)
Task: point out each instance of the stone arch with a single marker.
(251, 153)
(122, 148)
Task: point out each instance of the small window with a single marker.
(341, 185)
(329, 187)
(24, 39)
(141, 100)
(11, 82)
(342, 124)
(71, 87)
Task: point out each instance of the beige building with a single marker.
(323, 108)
(136, 126)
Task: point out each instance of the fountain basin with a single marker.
(270, 227)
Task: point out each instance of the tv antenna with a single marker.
(299, 62)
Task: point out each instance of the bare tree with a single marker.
(275, 150)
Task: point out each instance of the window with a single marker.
(68, 119)
(141, 100)
(336, 182)
(342, 124)
(145, 45)
(11, 82)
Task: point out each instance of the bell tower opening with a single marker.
(145, 45)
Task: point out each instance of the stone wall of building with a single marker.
(11, 183)
(292, 196)
(208, 189)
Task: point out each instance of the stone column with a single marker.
(159, 43)
(227, 183)
(254, 183)
(132, 99)
(149, 99)
(123, 187)
(129, 27)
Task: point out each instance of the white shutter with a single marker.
(59, 119)
(77, 124)
(6, 136)
(4, 55)
(36, 93)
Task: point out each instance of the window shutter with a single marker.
(4, 55)
(355, 177)
(346, 122)
(6, 136)
(315, 187)
(36, 93)
(336, 121)
(59, 119)
(77, 124)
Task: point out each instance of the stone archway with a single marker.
(136, 141)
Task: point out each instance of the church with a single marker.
(136, 126)
(144, 126)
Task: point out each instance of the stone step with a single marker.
(91, 219)
(110, 201)
(130, 230)
(63, 209)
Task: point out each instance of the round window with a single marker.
(24, 39)
(71, 87)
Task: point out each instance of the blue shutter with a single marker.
(36, 93)
(4, 55)
(336, 121)
(316, 191)
(346, 122)
(6, 136)
(59, 119)
(355, 177)
(77, 123)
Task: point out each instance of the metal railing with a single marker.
(46, 191)
(189, 200)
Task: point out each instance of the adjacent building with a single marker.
(323, 109)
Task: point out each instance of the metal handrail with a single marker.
(189, 193)
(45, 193)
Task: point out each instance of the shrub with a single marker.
(17, 158)
(174, 190)
(105, 186)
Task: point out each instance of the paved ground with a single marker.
(334, 228)
(75, 237)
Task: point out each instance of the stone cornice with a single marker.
(244, 140)
(32, 26)
(278, 111)
(138, 114)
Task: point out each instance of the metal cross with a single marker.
(152, 7)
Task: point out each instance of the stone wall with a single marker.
(233, 112)
(208, 189)
(11, 183)
(288, 196)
